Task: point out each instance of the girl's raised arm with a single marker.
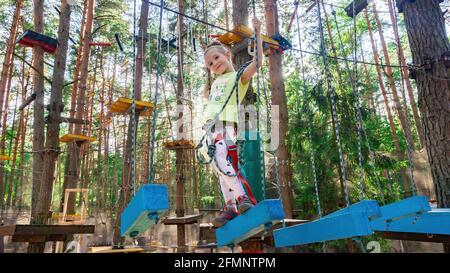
(251, 68)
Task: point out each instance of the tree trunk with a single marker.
(38, 217)
(398, 106)
(428, 39)
(279, 99)
(404, 71)
(52, 143)
(76, 74)
(125, 193)
(386, 101)
(75, 153)
(180, 154)
(7, 62)
(10, 48)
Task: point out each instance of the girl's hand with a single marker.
(256, 24)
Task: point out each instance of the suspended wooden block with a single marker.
(239, 36)
(76, 138)
(359, 6)
(179, 144)
(144, 209)
(257, 219)
(123, 105)
(30, 39)
(5, 157)
(230, 38)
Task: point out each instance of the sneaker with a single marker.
(244, 204)
(226, 215)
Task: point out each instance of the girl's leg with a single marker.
(230, 181)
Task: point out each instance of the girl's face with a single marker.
(218, 62)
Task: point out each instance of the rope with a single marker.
(133, 104)
(155, 103)
(240, 35)
(333, 102)
(258, 102)
(354, 81)
(307, 110)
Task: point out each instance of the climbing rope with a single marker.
(307, 111)
(133, 104)
(360, 122)
(258, 103)
(323, 51)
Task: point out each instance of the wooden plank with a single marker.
(418, 237)
(370, 207)
(404, 208)
(187, 219)
(255, 220)
(8, 230)
(39, 238)
(341, 226)
(436, 221)
(109, 249)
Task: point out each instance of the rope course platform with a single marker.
(179, 144)
(43, 233)
(5, 157)
(123, 106)
(30, 39)
(76, 138)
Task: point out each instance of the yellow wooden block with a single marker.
(5, 157)
(123, 104)
(231, 37)
(73, 137)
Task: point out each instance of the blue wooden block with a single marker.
(253, 221)
(370, 207)
(436, 221)
(144, 209)
(404, 208)
(340, 226)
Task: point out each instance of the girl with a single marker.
(218, 62)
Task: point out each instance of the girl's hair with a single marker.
(222, 49)
(216, 44)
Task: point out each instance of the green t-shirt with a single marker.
(220, 90)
